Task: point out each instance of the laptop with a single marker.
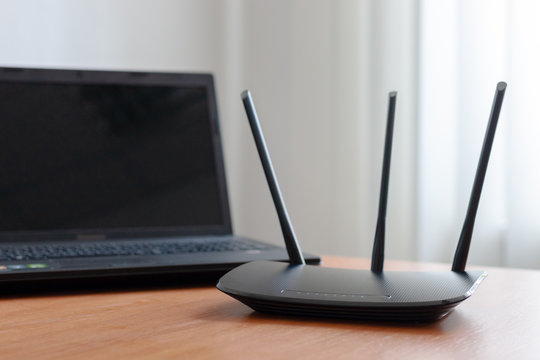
(114, 174)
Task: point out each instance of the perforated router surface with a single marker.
(310, 290)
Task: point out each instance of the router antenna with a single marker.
(293, 249)
(377, 258)
(462, 251)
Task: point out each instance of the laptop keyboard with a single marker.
(137, 248)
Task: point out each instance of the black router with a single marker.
(307, 290)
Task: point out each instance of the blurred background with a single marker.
(320, 72)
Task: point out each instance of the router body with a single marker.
(308, 290)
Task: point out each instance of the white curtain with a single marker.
(465, 48)
(320, 71)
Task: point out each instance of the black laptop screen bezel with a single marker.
(140, 78)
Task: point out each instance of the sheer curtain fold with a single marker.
(470, 46)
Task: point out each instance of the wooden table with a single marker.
(501, 320)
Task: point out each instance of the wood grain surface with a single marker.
(500, 321)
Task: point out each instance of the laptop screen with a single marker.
(109, 153)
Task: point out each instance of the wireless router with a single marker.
(308, 290)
